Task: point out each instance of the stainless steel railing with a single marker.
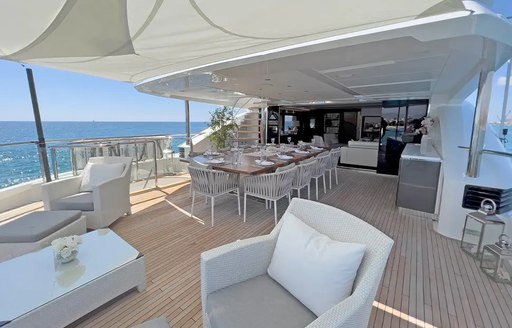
(149, 153)
(492, 152)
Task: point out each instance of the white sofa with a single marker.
(360, 153)
(106, 203)
(237, 292)
(36, 230)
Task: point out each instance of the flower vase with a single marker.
(426, 144)
(65, 259)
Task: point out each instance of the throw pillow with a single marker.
(94, 174)
(315, 269)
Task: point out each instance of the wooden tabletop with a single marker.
(248, 166)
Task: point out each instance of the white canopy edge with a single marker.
(135, 40)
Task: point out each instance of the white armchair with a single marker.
(237, 270)
(107, 202)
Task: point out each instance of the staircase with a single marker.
(250, 128)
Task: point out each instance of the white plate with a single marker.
(213, 153)
(216, 161)
(264, 163)
(301, 151)
(316, 148)
(284, 157)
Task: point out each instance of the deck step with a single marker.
(248, 139)
(248, 132)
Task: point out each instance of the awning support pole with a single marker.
(187, 122)
(39, 126)
(264, 117)
(505, 99)
(483, 100)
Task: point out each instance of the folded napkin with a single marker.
(284, 157)
(264, 163)
(216, 161)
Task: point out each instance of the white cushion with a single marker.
(95, 174)
(315, 269)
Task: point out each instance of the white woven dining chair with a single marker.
(271, 187)
(211, 184)
(193, 163)
(333, 164)
(322, 160)
(303, 176)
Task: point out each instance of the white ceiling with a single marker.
(402, 68)
(435, 55)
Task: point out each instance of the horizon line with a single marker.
(94, 121)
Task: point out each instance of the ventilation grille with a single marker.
(473, 196)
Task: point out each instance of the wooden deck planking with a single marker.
(428, 281)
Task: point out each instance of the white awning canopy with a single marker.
(134, 40)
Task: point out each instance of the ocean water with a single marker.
(20, 163)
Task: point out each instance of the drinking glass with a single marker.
(272, 140)
(263, 156)
(289, 140)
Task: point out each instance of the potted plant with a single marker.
(223, 125)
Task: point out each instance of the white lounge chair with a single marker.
(211, 184)
(237, 292)
(108, 200)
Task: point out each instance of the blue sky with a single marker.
(67, 96)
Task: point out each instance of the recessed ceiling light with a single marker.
(267, 79)
(289, 86)
(306, 91)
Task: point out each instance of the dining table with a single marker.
(250, 161)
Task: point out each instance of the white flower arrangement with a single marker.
(66, 248)
(426, 125)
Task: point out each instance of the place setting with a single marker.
(263, 162)
(284, 157)
(219, 160)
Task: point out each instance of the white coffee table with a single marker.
(35, 290)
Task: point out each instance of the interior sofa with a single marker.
(360, 153)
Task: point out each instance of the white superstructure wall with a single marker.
(453, 129)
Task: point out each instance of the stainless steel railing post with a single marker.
(155, 162)
(55, 164)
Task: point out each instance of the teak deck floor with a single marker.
(429, 281)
